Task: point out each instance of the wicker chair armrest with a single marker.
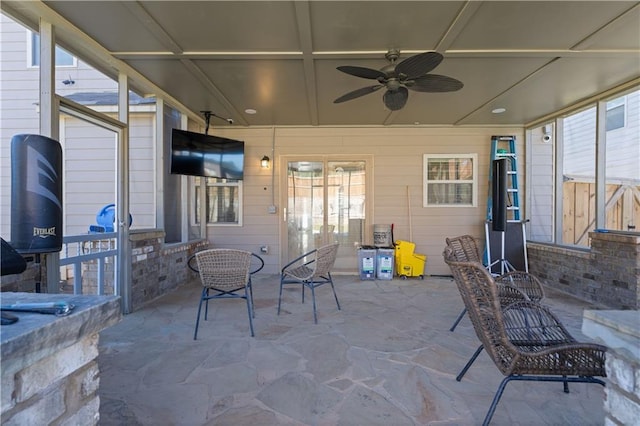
(525, 281)
(568, 359)
(533, 326)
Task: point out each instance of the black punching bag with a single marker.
(36, 194)
(499, 200)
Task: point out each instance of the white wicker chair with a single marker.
(226, 273)
(312, 270)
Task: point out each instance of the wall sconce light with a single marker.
(264, 162)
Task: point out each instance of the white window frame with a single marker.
(612, 104)
(238, 184)
(474, 181)
(31, 59)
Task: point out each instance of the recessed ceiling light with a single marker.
(250, 111)
(498, 110)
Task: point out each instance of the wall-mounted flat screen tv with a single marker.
(197, 154)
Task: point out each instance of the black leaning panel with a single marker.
(514, 246)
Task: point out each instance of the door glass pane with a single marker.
(346, 210)
(305, 205)
(326, 204)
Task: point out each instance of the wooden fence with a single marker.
(579, 209)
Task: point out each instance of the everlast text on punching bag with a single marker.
(36, 194)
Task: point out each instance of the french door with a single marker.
(326, 202)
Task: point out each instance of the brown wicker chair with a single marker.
(524, 340)
(312, 270)
(513, 286)
(227, 272)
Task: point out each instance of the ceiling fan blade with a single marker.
(434, 83)
(396, 99)
(362, 72)
(417, 65)
(357, 93)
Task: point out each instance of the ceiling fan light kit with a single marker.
(410, 74)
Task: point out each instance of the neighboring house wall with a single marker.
(90, 172)
(623, 144)
(623, 149)
(89, 158)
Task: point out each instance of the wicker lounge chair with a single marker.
(312, 270)
(524, 340)
(227, 273)
(465, 249)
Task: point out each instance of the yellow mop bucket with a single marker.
(408, 263)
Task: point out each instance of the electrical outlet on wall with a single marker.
(272, 209)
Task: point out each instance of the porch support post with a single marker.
(601, 150)
(49, 126)
(123, 259)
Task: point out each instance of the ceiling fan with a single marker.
(409, 74)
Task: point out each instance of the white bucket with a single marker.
(382, 235)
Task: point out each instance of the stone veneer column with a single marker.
(49, 370)
(620, 332)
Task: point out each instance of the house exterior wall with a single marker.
(19, 97)
(89, 169)
(623, 149)
(540, 187)
(397, 191)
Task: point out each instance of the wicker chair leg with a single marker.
(313, 298)
(334, 294)
(280, 297)
(205, 296)
(468, 364)
(564, 379)
(496, 399)
(455, 324)
(202, 298)
(253, 309)
(249, 311)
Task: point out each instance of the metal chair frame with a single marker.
(226, 282)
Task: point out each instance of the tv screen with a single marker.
(197, 154)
